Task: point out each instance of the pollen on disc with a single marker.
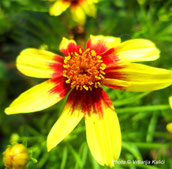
(84, 70)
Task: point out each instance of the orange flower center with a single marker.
(84, 70)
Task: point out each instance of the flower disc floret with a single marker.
(84, 70)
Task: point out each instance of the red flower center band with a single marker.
(84, 70)
(73, 2)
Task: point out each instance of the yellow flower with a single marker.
(79, 9)
(169, 127)
(82, 72)
(15, 157)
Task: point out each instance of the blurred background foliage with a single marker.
(143, 116)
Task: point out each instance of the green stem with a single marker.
(151, 145)
(142, 109)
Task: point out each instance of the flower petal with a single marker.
(40, 63)
(69, 46)
(101, 43)
(103, 132)
(169, 127)
(39, 97)
(138, 78)
(59, 7)
(110, 57)
(93, 1)
(116, 83)
(78, 14)
(170, 101)
(66, 123)
(137, 50)
(89, 8)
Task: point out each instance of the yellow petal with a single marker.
(116, 82)
(59, 7)
(170, 101)
(108, 41)
(140, 77)
(39, 63)
(92, 1)
(137, 50)
(78, 15)
(70, 117)
(169, 127)
(89, 8)
(103, 134)
(102, 43)
(39, 97)
(65, 43)
(68, 46)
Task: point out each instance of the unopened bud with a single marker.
(141, 2)
(14, 138)
(16, 157)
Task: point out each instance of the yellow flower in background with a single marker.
(16, 157)
(169, 125)
(79, 9)
(105, 61)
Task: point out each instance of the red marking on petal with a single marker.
(109, 57)
(114, 67)
(108, 52)
(114, 75)
(57, 66)
(88, 45)
(113, 71)
(71, 48)
(60, 87)
(110, 60)
(74, 3)
(115, 87)
(74, 48)
(98, 47)
(64, 51)
(89, 101)
(58, 69)
(58, 58)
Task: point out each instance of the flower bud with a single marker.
(14, 138)
(141, 2)
(15, 157)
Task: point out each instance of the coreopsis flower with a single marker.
(79, 9)
(16, 157)
(82, 72)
